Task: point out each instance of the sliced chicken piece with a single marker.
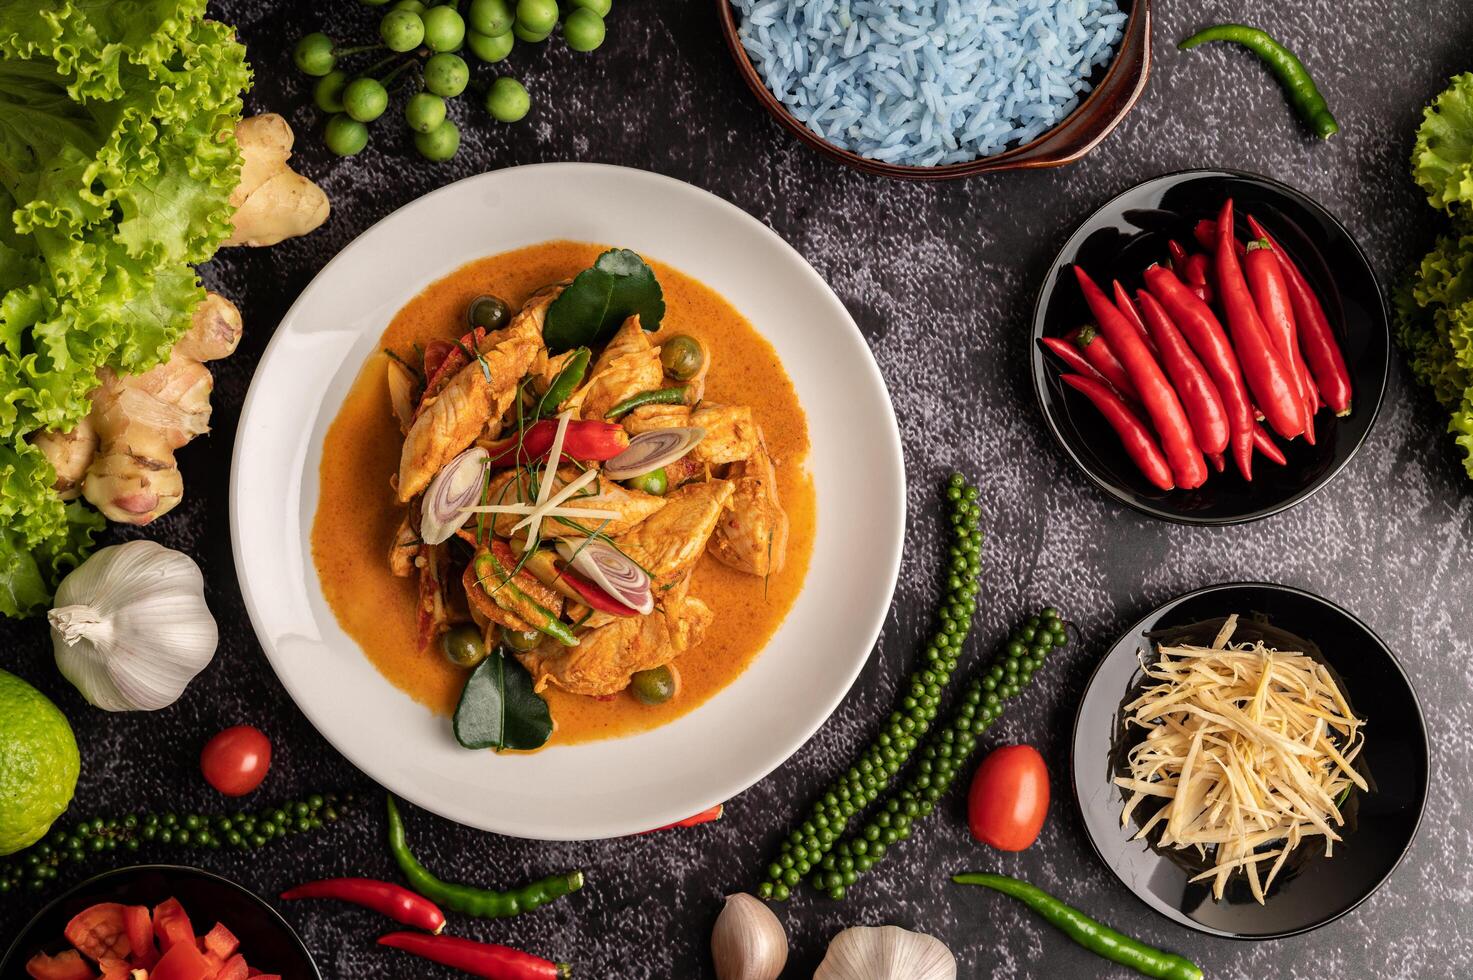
(479, 393)
(405, 547)
(669, 542)
(731, 432)
(604, 658)
(632, 506)
(753, 535)
(630, 364)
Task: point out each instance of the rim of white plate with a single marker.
(612, 787)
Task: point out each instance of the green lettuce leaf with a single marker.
(117, 159)
(1442, 161)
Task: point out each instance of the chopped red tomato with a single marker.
(171, 926)
(235, 968)
(182, 961)
(98, 932)
(62, 966)
(220, 941)
(138, 925)
(115, 970)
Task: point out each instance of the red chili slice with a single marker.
(586, 439)
(593, 596)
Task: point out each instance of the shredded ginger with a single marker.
(1251, 748)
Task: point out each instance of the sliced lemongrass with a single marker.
(554, 456)
(526, 510)
(532, 520)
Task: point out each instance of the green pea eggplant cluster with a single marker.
(424, 42)
(36, 867)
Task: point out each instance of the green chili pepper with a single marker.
(660, 396)
(1300, 87)
(1094, 936)
(566, 382)
(525, 606)
(480, 902)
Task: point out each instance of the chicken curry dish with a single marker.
(568, 499)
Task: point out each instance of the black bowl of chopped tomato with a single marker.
(1134, 230)
(263, 939)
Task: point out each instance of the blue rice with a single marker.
(929, 82)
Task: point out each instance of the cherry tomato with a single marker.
(1008, 800)
(236, 760)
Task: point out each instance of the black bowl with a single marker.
(1130, 232)
(268, 942)
(1312, 889)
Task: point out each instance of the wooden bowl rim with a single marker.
(1008, 159)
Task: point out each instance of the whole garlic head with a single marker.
(886, 953)
(130, 627)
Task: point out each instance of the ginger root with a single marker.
(138, 420)
(272, 201)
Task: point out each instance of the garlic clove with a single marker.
(886, 953)
(748, 942)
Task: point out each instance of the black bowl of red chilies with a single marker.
(1207, 384)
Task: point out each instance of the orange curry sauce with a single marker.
(357, 513)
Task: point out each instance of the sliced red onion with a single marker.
(652, 450)
(457, 486)
(611, 570)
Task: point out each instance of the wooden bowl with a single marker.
(1077, 134)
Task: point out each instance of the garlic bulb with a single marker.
(130, 627)
(748, 942)
(886, 953)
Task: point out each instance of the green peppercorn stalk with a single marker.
(807, 846)
(40, 864)
(945, 754)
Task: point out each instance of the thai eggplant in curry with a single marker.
(556, 503)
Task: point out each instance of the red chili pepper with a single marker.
(1196, 277)
(586, 439)
(1321, 351)
(1139, 444)
(1204, 333)
(1127, 308)
(398, 903)
(705, 816)
(478, 959)
(1162, 405)
(1267, 374)
(1190, 379)
(593, 596)
(1069, 354)
(1266, 282)
(1265, 444)
(1218, 461)
(1179, 258)
(1097, 351)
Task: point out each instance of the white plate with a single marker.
(616, 786)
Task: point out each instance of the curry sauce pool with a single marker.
(357, 514)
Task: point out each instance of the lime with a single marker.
(38, 764)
